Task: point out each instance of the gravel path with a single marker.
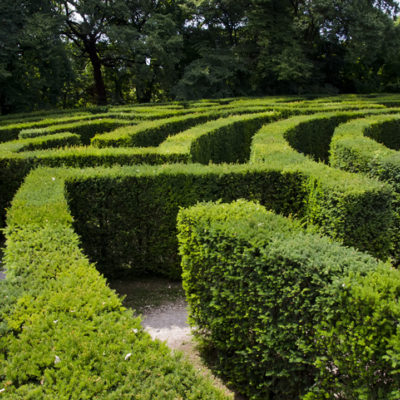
(163, 308)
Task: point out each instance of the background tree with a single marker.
(147, 50)
(135, 39)
(351, 40)
(86, 23)
(73, 52)
(213, 66)
(34, 67)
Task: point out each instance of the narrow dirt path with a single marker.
(163, 308)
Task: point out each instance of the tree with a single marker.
(34, 67)
(86, 24)
(350, 39)
(124, 35)
(148, 51)
(212, 63)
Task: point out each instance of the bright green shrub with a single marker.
(150, 133)
(39, 116)
(386, 132)
(85, 129)
(229, 143)
(154, 113)
(127, 220)
(126, 216)
(65, 334)
(155, 131)
(41, 143)
(313, 137)
(13, 167)
(307, 134)
(15, 162)
(338, 204)
(345, 211)
(11, 131)
(222, 140)
(352, 150)
(358, 341)
(288, 312)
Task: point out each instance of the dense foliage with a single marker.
(64, 333)
(75, 52)
(289, 314)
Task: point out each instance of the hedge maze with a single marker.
(287, 241)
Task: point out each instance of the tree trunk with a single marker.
(144, 94)
(100, 90)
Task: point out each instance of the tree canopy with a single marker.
(75, 52)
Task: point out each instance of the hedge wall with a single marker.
(289, 314)
(154, 132)
(387, 132)
(223, 140)
(12, 129)
(13, 167)
(55, 141)
(127, 218)
(126, 215)
(332, 197)
(64, 333)
(85, 129)
(352, 150)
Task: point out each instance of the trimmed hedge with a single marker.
(288, 313)
(338, 204)
(307, 134)
(13, 167)
(154, 132)
(313, 136)
(222, 140)
(85, 129)
(41, 143)
(387, 132)
(11, 131)
(332, 205)
(64, 333)
(352, 150)
(127, 219)
(150, 133)
(126, 215)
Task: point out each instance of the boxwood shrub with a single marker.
(222, 140)
(14, 167)
(85, 129)
(289, 314)
(63, 333)
(154, 132)
(355, 148)
(126, 215)
(57, 140)
(330, 195)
